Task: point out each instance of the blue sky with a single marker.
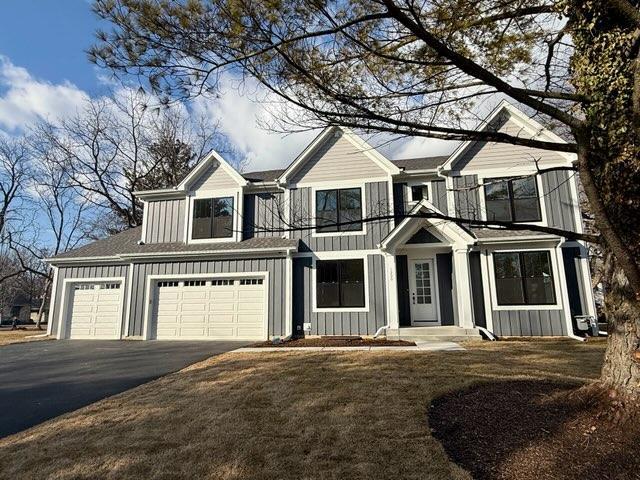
(44, 73)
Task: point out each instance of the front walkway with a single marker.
(426, 346)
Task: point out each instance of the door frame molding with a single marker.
(151, 280)
(63, 316)
(435, 289)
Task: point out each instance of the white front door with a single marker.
(423, 292)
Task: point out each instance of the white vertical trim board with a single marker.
(128, 301)
(52, 302)
(288, 319)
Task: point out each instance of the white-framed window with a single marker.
(214, 216)
(417, 191)
(525, 279)
(338, 211)
(340, 283)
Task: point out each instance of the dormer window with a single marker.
(334, 207)
(212, 218)
(512, 200)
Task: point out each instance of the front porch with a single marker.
(429, 289)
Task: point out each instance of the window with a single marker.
(512, 200)
(213, 218)
(334, 207)
(251, 281)
(195, 283)
(167, 284)
(221, 283)
(524, 278)
(418, 192)
(340, 283)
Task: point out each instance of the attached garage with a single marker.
(224, 308)
(94, 310)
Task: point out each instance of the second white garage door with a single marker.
(225, 308)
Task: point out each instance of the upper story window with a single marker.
(419, 192)
(212, 218)
(334, 207)
(524, 278)
(514, 200)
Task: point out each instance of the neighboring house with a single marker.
(25, 308)
(206, 263)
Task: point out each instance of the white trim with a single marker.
(62, 317)
(335, 256)
(202, 166)
(391, 291)
(416, 183)
(151, 280)
(558, 281)
(287, 211)
(586, 281)
(575, 200)
(329, 184)
(462, 287)
(546, 238)
(127, 317)
(541, 200)
(145, 221)
(485, 258)
(52, 301)
(236, 227)
(363, 203)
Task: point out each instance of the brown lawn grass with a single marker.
(8, 336)
(284, 415)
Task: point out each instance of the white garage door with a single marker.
(225, 308)
(95, 310)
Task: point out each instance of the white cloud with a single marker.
(25, 99)
(422, 147)
(242, 114)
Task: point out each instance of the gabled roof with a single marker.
(447, 229)
(204, 164)
(355, 140)
(528, 124)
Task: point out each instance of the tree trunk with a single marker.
(621, 369)
(47, 288)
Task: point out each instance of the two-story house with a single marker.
(338, 244)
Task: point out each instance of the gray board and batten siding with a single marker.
(263, 215)
(165, 221)
(80, 273)
(339, 323)
(376, 198)
(276, 294)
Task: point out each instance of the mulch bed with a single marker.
(337, 342)
(534, 430)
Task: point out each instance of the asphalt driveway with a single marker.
(41, 380)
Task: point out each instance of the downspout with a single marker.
(379, 331)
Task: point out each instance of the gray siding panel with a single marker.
(165, 221)
(276, 294)
(439, 192)
(341, 323)
(445, 288)
(376, 196)
(82, 272)
(467, 203)
(529, 323)
(558, 201)
(477, 289)
(263, 211)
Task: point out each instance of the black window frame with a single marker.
(424, 192)
(523, 276)
(512, 199)
(339, 212)
(212, 230)
(339, 266)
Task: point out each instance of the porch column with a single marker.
(462, 290)
(391, 287)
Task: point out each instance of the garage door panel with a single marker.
(221, 308)
(95, 311)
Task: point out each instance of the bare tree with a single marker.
(117, 145)
(14, 164)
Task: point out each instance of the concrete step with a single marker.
(435, 333)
